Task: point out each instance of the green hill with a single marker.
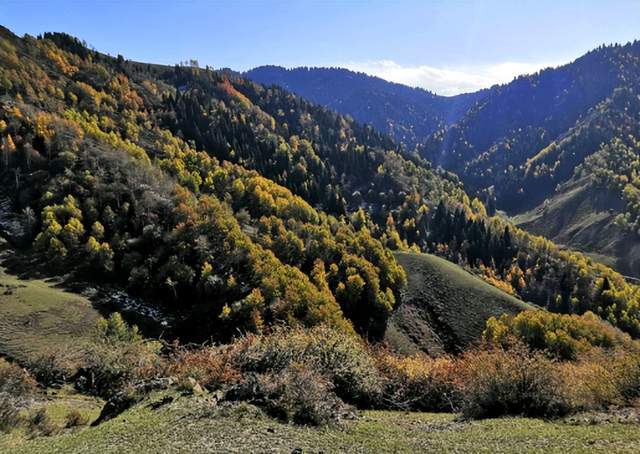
(443, 307)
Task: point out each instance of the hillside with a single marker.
(36, 317)
(100, 180)
(306, 260)
(527, 141)
(409, 115)
(443, 308)
(582, 215)
(512, 145)
(528, 114)
(235, 206)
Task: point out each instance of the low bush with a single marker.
(74, 419)
(9, 413)
(417, 382)
(54, 367)
(342, 358)
(600, 379)
(628, 377)
(40, 423)
(499, 382)
(14, 380)
(294, 394)
(109, 368)
(211, 367)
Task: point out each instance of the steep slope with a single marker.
(596, 210)
(527, 141)
(443, 308)
(552, 99)
(238, 206)
(409, 115)
(516, 143)
(108, 193)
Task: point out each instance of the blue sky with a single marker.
(447, 46)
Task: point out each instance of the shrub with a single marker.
(115, 329)
(118, 358)
(14, 380)
(501, 382)
(417, 382)
(211, 367)
(295, 394)
(39, 422)
(9, 413)
(74, 419)
(54, 367)
(628, 377)
(109, 368)
(342, 358)
(563, 336)
(593, 382)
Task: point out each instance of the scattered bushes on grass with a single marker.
(295, 372)
(311, 376)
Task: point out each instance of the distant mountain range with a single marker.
(407, 114)
(520, 146)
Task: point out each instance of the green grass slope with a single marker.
(36, 317)
(171, 423)
(581, 216)
(443, 308)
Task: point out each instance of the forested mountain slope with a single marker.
(537, 137)
(239, 206)
(513, 145)
(409, 115)
(540, 106)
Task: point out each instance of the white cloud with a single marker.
(446, 80)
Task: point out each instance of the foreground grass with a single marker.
(169, 422)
